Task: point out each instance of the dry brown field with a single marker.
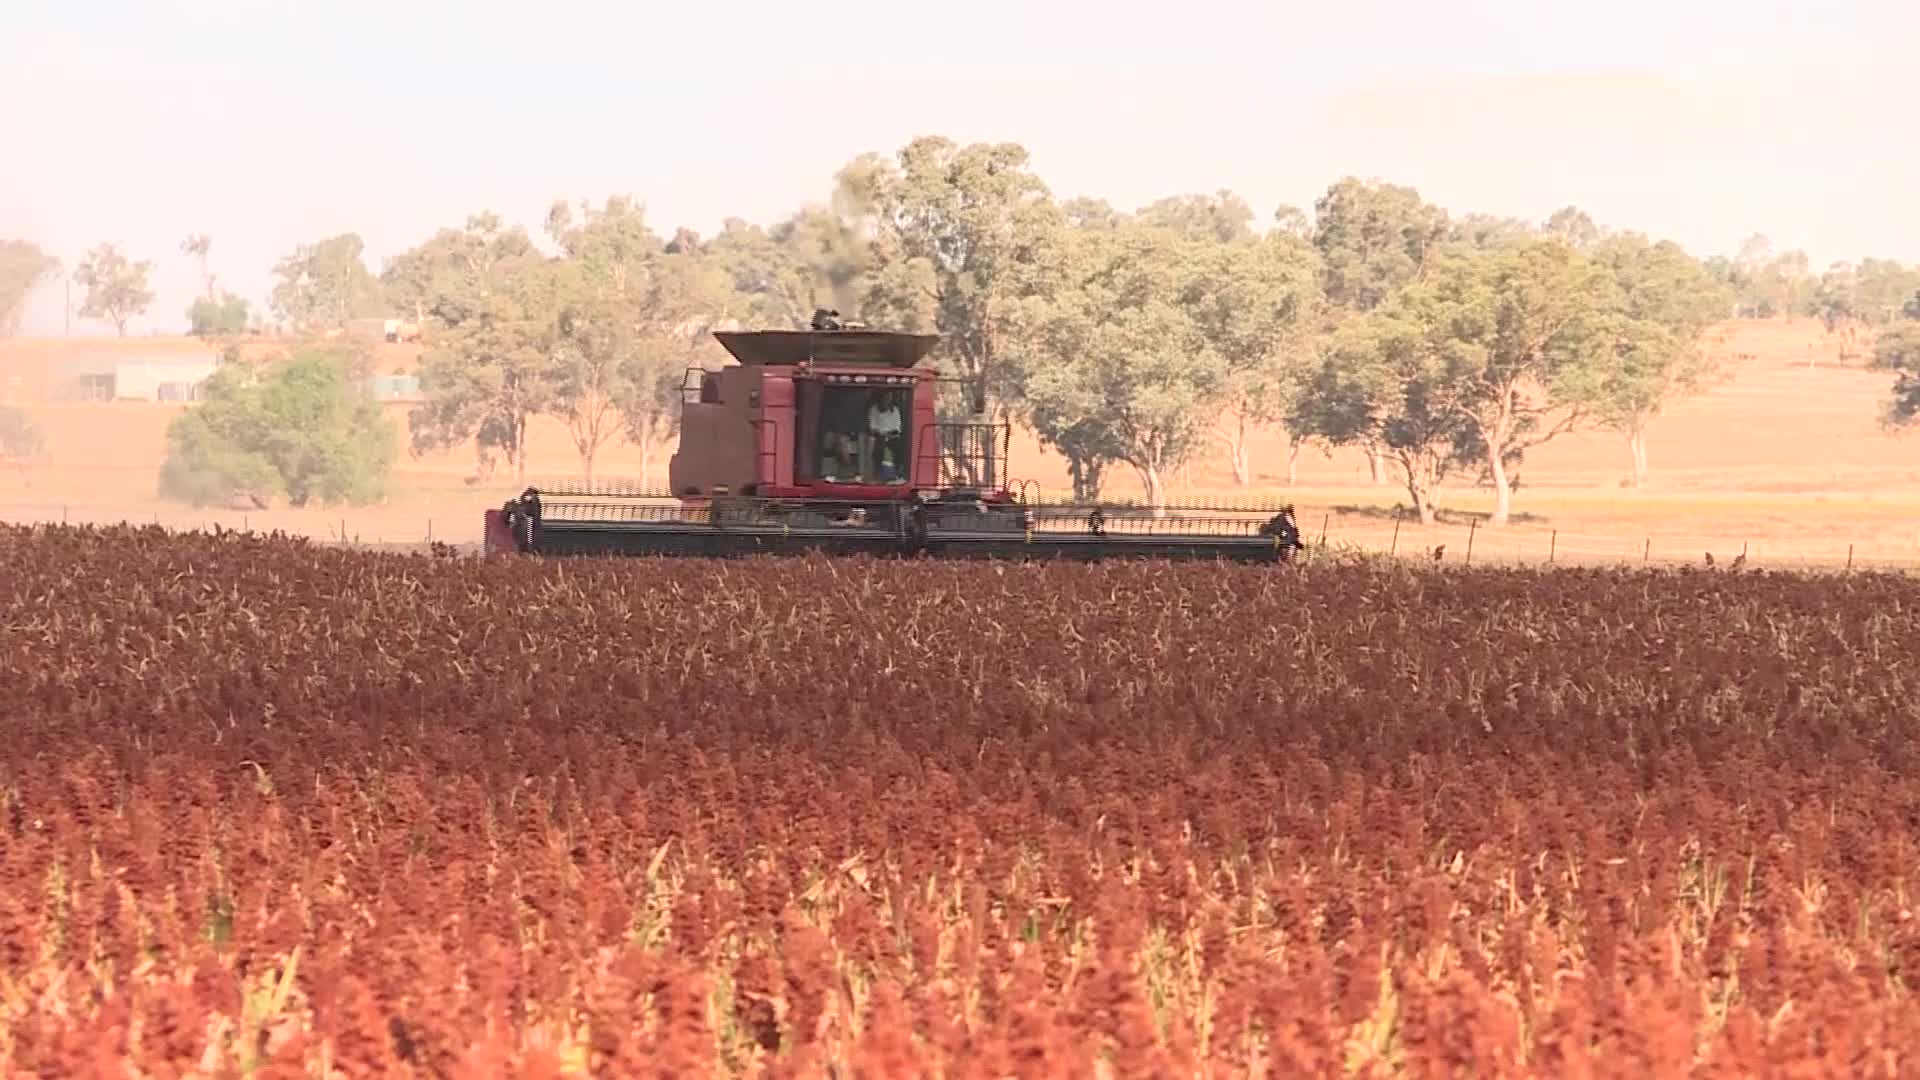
(1783, 460)
(282, 810)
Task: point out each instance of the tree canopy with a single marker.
(294, 426)
(951, 227)
(326, 284)
(23, 267)
(116, 286)
(21, 440)
(1447, 343)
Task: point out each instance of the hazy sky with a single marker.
(272, 124)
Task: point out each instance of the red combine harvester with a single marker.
(828, 439)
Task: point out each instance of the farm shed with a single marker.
(85, 377)
(162, 378)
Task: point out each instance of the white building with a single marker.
(136, 378)
(172, 378)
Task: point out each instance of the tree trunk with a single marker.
(1419, 486)
(1156, 486)
(1373, 464)
(646, 462)
(590, 426)
(520, 450)
(1237, 451)
(1502, 494)
(1086, 475)
(1293, 459)
(1637, 446)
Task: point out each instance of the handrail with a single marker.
(954, 459)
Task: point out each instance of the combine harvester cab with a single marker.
(829, 440)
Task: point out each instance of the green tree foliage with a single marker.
(23, 266)
(814, 259)
(1885, 290)
(1081, 212)
(1379, 384)
(325, 285)
(444, 280)
(1374, 238)
(599, 337)
(1473, 356)
(489, 367)
(116, 287)
(1663, 300)
(951, 226)
(1121, 356)
(225, 317)
(200, 246)
(1852, 299)
(1447, 343)
(1573, 225)
(635, 315)
(1292, 221)
(1897, 349)
(1837, 304)
(1258, 305)
(295, 426)
(1489, 231)
(1112, 368)
(594, 365)
(1768, 284)
(215, 312)
(21, 441)
(1222, 217)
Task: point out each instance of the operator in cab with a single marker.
(839, 458)
(884, 425)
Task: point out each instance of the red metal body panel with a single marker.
(775, 423)
(716, 446)
(924, 444)
(497, 535)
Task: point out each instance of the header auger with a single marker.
(828, 439)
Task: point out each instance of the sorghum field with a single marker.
(298, 811)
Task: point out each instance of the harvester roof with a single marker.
(875, 348)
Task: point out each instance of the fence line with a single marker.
(1473, 544)
(1469, 543)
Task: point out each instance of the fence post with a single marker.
(1472, 527)
(1849, 558)
(1553, 544)
(429, 530)
(1323, 529)
(1647, 551)
(1394, 547)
